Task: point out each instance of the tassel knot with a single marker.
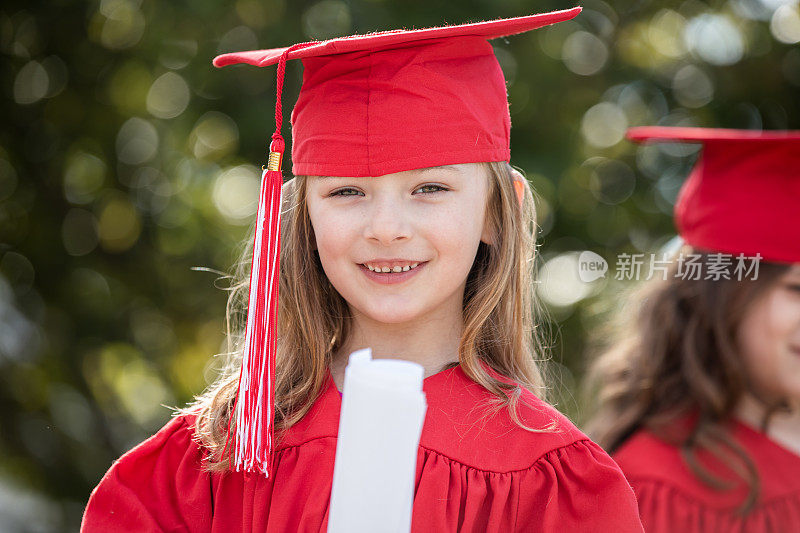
(277, 144)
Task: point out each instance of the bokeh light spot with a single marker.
(236, 193)
(31, 83)
(79, 232)
(120, 374)
(84, 175)
(118, 24)
(612, 181)
(8, 179)
(118, 224)
(168, 96)
(785, 24)
(238, 38)
(692, 87)
(137, 141)
(714, 39)
(214, 136)
(177, 53)
(129, 86)
(560, 284)
(604, 125)
(584, 53)
(664, 33)
(327, 19)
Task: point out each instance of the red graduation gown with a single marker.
(671, 498)
(473, 474)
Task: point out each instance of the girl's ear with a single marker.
(519, 185)
(489, 234)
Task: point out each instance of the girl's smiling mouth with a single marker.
(390, 278)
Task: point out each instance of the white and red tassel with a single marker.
(254, 408)
(255, 402)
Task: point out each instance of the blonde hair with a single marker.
(499, 311)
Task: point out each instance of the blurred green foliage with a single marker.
(126, 159)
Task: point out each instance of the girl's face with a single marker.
(433, 217)
(769, 339)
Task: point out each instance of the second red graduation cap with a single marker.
(743, 195)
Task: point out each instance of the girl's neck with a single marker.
(427, 343)
(783, 426)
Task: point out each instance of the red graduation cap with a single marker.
(743, 195)
(369, 105)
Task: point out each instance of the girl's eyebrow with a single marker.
(451, 168)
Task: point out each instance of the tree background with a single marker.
(126, 160)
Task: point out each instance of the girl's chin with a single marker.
(389, 313)
(393, 318)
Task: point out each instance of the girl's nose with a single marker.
(388, 220)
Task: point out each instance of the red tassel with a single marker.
(255, 403)
(254, 407)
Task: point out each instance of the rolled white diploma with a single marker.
(383, 409)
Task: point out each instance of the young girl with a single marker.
(405, 230)
(700, 395)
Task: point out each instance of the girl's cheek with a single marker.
(788, 312)
(453, 235)
(333, 230)
(774, 332)
(794, 314)
(460, 221)
(785, 316)
(757, 344)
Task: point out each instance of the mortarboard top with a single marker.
(707, 135)
(369, 105)
(743, 194)
(491, 29)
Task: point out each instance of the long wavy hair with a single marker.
(672, 356)
(499, 310)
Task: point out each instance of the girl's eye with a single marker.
(341, 192)
(346, 191)
(794, 287)
(437, 187)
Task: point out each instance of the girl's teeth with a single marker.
(395, 269)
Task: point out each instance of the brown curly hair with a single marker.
(672, 356)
